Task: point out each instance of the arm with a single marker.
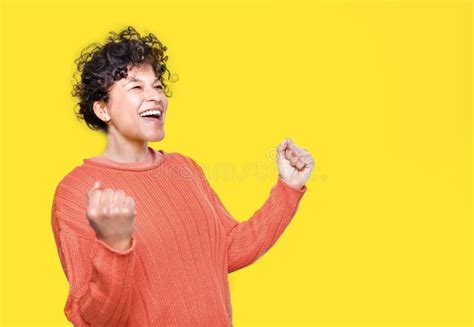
(249, 240)
(100, 277)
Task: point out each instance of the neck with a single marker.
(124, 150)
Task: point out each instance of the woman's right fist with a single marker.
(111, 213)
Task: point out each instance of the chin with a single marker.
(156, 138)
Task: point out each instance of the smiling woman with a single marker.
(142, 237)
(120, 81)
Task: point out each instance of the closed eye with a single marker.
(158, 86)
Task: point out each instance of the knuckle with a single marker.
(91, 213)
(105, 211)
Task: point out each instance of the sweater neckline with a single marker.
(155, 158)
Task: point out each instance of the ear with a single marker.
(101, 111)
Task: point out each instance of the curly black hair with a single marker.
(102, 65)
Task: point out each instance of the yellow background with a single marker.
(378, 92)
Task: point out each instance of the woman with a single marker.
(142, 237)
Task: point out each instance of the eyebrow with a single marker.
(133, 79)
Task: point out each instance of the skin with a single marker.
(295, 164)
(129, 134)
(111, 213)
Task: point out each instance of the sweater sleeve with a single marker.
(247, 241)
(100, 277)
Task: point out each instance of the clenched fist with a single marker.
(295, 164)
(111, 213)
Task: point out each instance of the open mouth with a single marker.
(153, 116)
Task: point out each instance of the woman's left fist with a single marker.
(294, 163)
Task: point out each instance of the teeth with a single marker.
(150, 113)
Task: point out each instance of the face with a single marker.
(130, 96)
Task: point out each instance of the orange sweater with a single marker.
(183, 247)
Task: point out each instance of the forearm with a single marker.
(250, 239)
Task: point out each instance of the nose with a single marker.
(153, 94)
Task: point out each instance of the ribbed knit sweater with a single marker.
(183, 246)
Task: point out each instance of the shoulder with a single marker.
(73, 185)
(182, 159)
(186, 165)
(69, 204)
